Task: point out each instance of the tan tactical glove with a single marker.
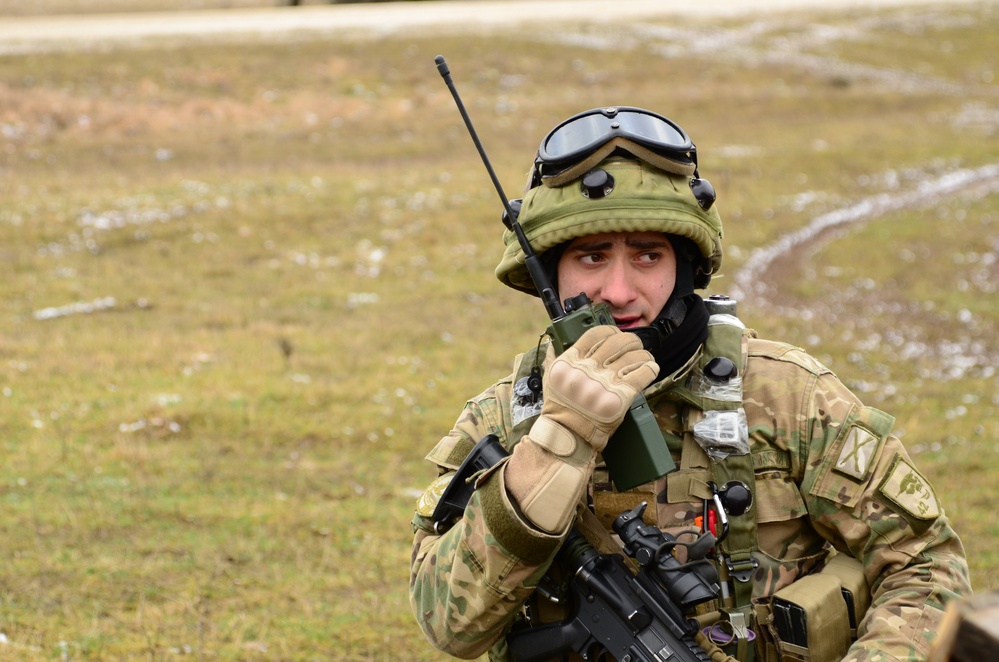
(587, 390)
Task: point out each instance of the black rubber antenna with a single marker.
(532, 261)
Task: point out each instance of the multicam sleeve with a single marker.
(467, 585)
(865, 494)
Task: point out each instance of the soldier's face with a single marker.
(632, 272)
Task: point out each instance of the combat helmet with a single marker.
(617, 169)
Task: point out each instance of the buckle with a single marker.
(742, 570)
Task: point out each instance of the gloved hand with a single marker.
(587, 392)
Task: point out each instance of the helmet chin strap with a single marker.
(676, 333)
(682, 325)
(662, 327)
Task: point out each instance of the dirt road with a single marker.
(358, 21)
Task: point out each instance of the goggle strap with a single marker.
(577, 170)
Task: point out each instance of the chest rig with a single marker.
(716, 465)
(707, 431)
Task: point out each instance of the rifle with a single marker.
(634, 617)
(637, 453)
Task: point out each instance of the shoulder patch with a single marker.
(906, 488)
(428, 500)
(859, 448)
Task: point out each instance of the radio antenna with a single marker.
(532, 261)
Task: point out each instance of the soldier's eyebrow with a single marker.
(591, 246)
(646, 244)
(596, 246)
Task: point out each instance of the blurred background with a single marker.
(248, 282)
(52, 7)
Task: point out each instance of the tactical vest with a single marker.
(708, 435)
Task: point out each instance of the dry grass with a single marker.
(299, 243)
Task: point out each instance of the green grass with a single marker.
(300, 242)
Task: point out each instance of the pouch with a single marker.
(853, 584)
(810, 620)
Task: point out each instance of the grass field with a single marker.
(243, 287)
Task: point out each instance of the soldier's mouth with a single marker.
(627, 322)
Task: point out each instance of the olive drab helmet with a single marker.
(614, 170)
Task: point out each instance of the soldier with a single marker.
(616, 209)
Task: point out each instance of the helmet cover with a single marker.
(643, 199)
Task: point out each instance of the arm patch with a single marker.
(428, 500)
(851, 459)
(906, 488)
(859, 449)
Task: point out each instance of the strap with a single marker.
(727, 338)
(737, 549)
(714, 652)
(742, 540)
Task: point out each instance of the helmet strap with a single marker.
(687, 255)
(560, 178)
(676, 333)
(682, 325)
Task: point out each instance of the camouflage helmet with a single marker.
(642, 198)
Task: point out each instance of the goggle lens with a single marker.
(581, 135)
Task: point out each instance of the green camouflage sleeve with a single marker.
(467, 585)
(865, 495)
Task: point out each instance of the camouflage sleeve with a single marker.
(467, 585)
(866, 496)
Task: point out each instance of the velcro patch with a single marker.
(428, 501)
(859, 449)
(907, 489)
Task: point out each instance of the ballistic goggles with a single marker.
(581, 142)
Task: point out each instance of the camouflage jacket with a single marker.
(828, 471)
